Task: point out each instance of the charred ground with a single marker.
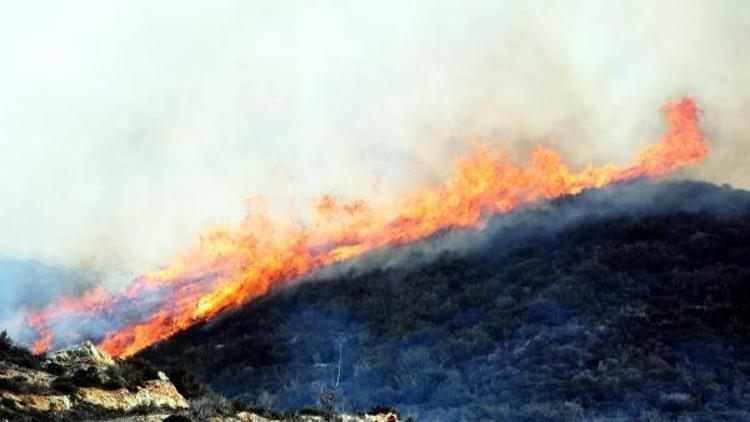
(632, 301)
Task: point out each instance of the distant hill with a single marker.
(30, 284)
(631, 302)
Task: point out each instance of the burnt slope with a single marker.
(632, 301)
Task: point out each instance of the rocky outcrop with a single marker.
(37, 402)
(81, 355)
(84, 381)
(154, 394)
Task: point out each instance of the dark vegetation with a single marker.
(187, 384)
(129, 374)
(632, 302)
(21, 356)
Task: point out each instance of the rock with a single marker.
(34, 391)
(157, 394)
(81, 355)
(42, 403)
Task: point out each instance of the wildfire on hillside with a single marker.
(230, 267)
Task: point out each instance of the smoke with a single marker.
(127, 127)
(31, 285)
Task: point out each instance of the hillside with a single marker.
(627, 302)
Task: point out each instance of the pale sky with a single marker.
(127, 126)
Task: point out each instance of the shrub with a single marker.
(310, 411)
(125, 375)
(5, 342)
(64, 385)
(211, 405)
(381, 410)
(147, 369)
(675, 402)
(87, 377)
(20, 356)
(130, 374)
(187, 384)
(54, 368)
(18, 384)
(177, 418)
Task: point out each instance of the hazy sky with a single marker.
(126, 126)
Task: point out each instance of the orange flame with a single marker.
(231, 267)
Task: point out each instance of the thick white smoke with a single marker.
(126, 127)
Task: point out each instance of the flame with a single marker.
(94, 300)
(230, 267)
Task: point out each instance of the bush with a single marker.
(20, 356)
(381, 410)
(177, 418)
(64, 385)
(211, 405)
(130, 374)
(146, 368)
(87, 377)
(187, 384)
(18, 384)
(125, 375)
(54, 368)
(5, 342)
